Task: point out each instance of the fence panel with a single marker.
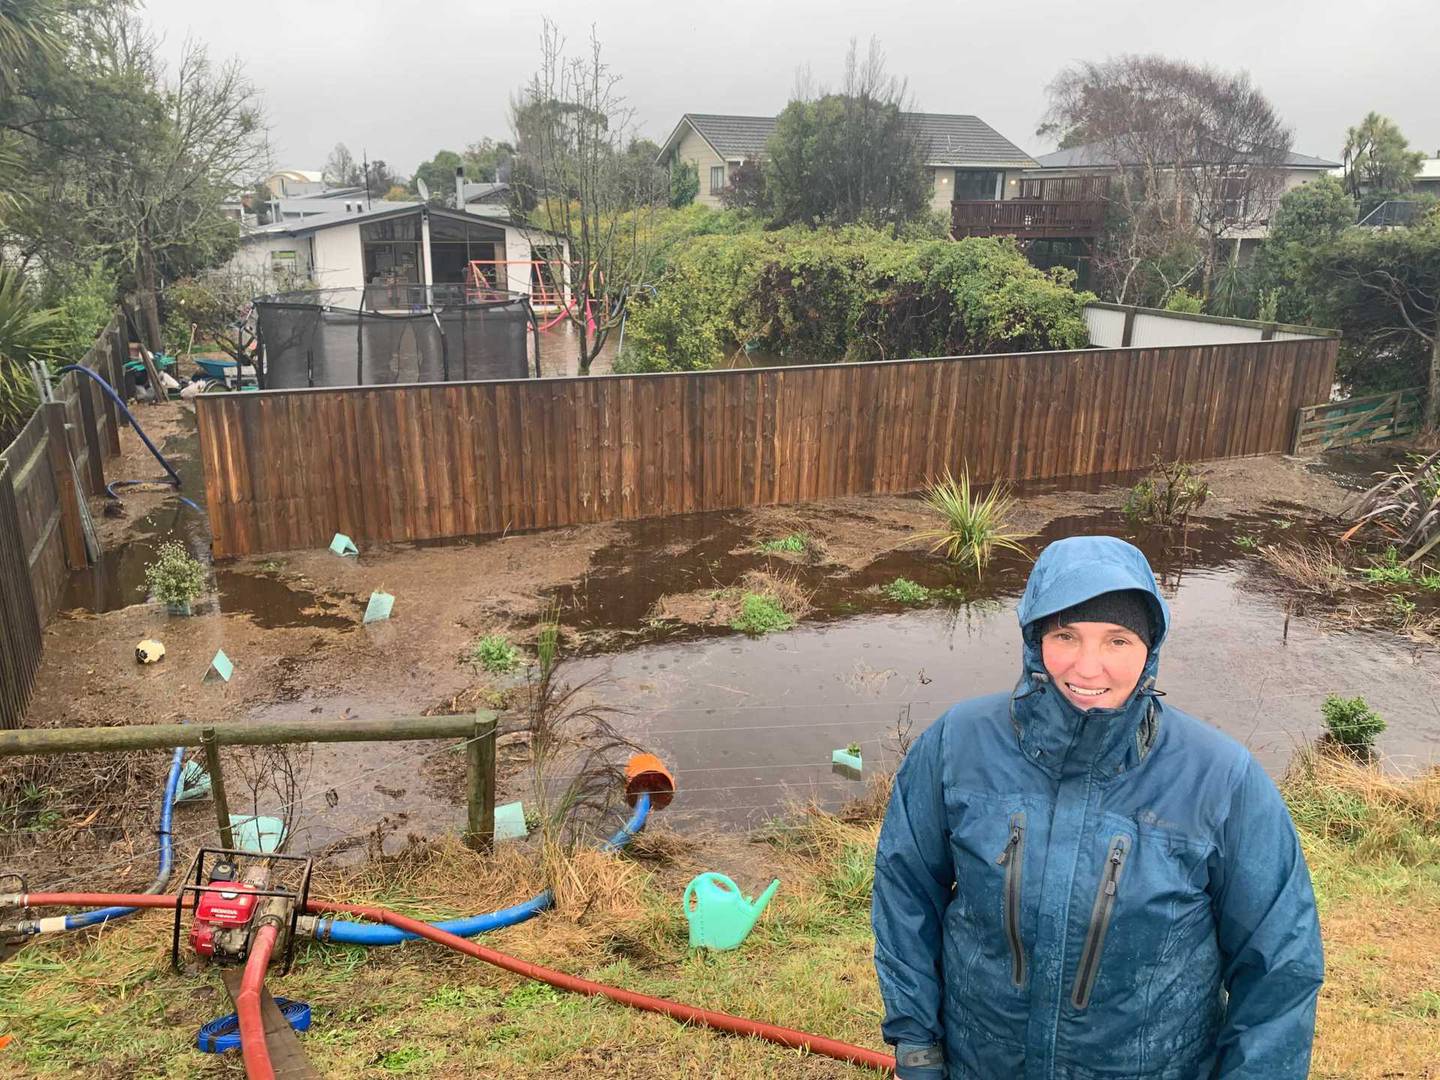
(288, 469)
(1372, 418)
(19, 619)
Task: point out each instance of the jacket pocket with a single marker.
(1100, 916)
(1013, 859)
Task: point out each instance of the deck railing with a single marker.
(1027, 218)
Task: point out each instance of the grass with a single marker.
(1311, 568)
(1388, 570)
(495, 654)
(974, 526)
(904, 591)
(106, 1004)
(794, 544)
(761, 614)
(1246, 542)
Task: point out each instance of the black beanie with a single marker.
(1129, 608)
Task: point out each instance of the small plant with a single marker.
(174, 578)
(761, 614)
(495, 654)
(853, 749)
(974, 526)
(795, 544)
(904, 591)
(1310, 567)
(1400, 607)
(1429, 581)
(1351, 723)
(1168, 496)
(1247, 543)
(1389, 571)
(1185, 302)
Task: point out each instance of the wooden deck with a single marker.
(1028, 219)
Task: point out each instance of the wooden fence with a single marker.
(289, 469)
(1372, 418)
(57, 457)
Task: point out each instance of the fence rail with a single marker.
(1371, 418)
(56, 459)
(289, 469)
(1027, 218)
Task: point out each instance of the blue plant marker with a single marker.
(846, 759)
(194, 782)
(510, 822)
(379, 607)
(343, 545)
(252, 833)
(221, 666)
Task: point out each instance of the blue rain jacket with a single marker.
(1092, 894)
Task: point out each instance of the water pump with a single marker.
(227, 904)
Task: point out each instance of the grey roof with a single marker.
(949, 139)
(486, 193)
(379, 211)
(1103, 155)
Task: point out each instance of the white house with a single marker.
(404, 244)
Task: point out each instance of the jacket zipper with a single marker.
(1099, 922)
(1013, 859)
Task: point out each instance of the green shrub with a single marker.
(904, 591)
(761, 615)
(974, 525)
(495, 654)
(1351, 723)
(794, 544)
(853, 293)
(1168, 496)
(174, 577)
(83, 304)
(1184, 301)
(1247, 543)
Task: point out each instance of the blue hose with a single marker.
(120, 403)
(353, 933)
(167, 855)
(224, 1033)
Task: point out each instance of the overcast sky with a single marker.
(402, 80)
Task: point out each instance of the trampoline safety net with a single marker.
(389, 335)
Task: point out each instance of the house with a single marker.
(967, 159)
(394, 245)
(1427, 180)
(1094, 164)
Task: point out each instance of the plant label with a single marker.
(378, 610)
(510, 822)
(221, 666)
(343, 545)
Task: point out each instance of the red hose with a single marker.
(796, 1040)
(253, 1047)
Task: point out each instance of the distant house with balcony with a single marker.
(967, 159)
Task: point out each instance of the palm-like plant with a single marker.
(974, 526)
(26, 333)
(29, 36)
(1406, 504)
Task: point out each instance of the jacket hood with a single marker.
(1052, 730)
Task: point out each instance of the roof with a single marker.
(948, 138)
(482, 193)
(1429, 169)
(1103, 155)
(309, 176)
(379, 212)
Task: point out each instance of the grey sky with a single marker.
(404, 80)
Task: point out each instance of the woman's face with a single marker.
(1095, 665)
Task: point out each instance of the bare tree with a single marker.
(1192, 149)
(341, 168)
(572, 127)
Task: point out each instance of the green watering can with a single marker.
(720, 915)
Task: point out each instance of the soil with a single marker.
(291, 623)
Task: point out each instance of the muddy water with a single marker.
(751, 723)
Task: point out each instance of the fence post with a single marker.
(1129, 330)
(217, 786)
(94, 465)
(480, 785)
(64, 476)
(105, 365)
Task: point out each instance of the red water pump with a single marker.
(225, 904)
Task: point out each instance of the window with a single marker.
(976, 184)
(1234, 193)
(717, 179)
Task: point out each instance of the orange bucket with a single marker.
(646, 774)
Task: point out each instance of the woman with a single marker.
(1077, 881)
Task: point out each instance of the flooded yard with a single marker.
(747, 724)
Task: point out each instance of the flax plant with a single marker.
(974, 526)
